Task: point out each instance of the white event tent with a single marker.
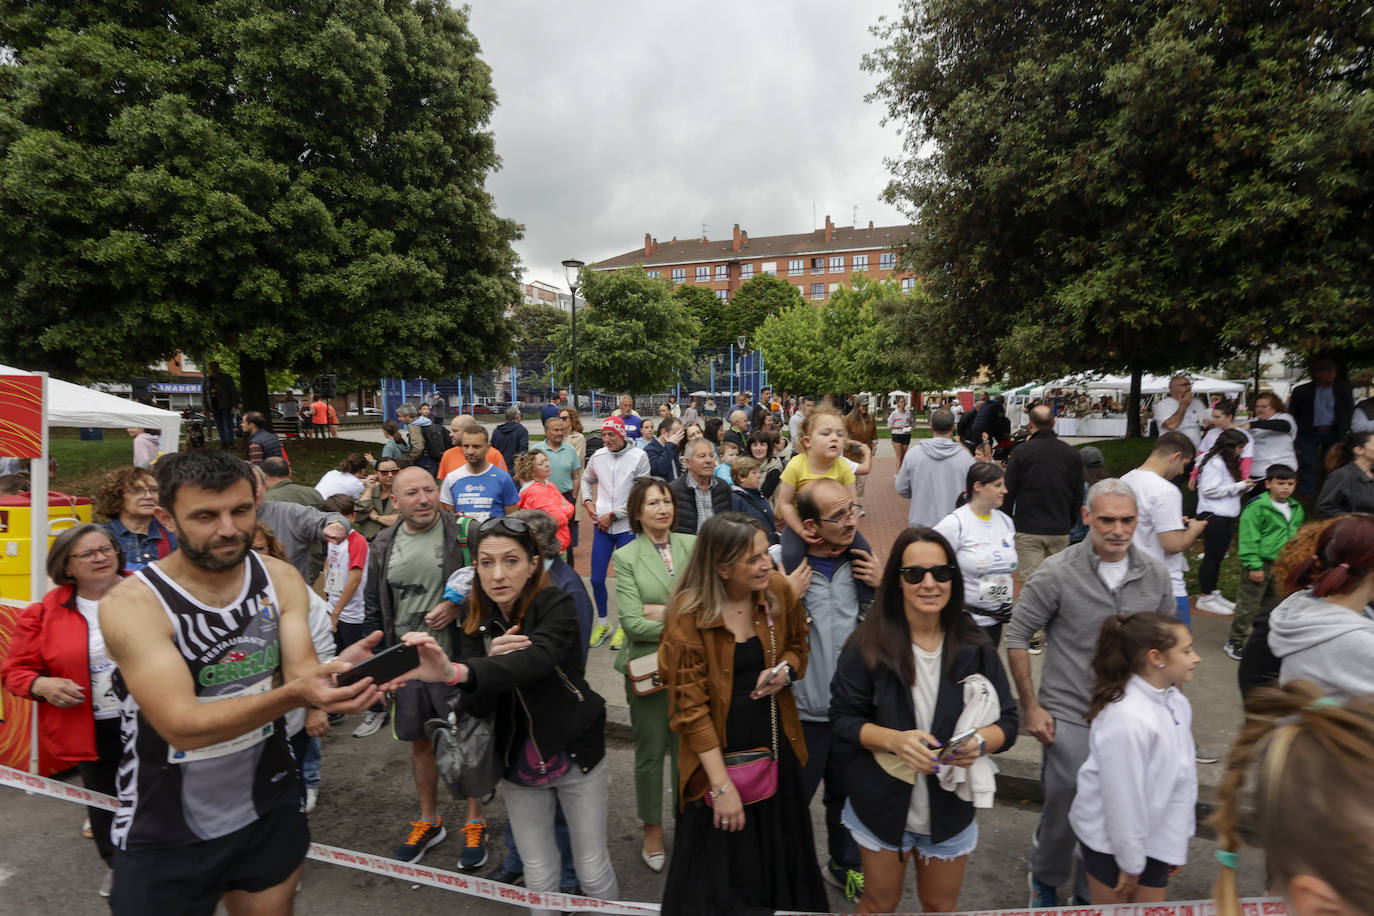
(73, 405)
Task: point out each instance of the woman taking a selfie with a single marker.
(734, 642)
(550, 726)
(904, 687)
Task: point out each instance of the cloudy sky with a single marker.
(619, 118)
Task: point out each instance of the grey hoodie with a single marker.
(1324, 643)
(932, 476)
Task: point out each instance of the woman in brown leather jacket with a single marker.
(734, 642)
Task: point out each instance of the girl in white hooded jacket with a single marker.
(1137, 791)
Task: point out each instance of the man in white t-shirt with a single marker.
(1180, 412)
(478, 489)
(1163, 531)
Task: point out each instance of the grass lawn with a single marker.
(81, 466)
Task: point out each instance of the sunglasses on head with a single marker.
(511, 525)
(915, 575)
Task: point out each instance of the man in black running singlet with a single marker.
(213, 649)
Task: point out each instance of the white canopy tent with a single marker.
(1149, 384)
(73, 405)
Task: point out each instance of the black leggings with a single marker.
(1216, 540)
(99, 776)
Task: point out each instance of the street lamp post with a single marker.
(572, 272)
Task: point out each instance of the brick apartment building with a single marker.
(817, 263)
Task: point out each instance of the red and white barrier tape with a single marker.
(519, 896)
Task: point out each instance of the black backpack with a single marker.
(436, 441)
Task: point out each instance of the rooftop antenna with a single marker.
(703, 231)
(856, 215)
(813, 214)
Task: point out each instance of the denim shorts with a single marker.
(961, 844)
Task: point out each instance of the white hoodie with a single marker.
(608, 479)
(1137, 791)
(1324, 643)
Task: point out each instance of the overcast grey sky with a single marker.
(618, 118)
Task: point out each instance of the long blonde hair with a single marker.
(1314, 762)
(700, 590)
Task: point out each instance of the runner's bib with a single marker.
(994, 589)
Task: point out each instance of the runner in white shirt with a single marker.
(1162, 531)
(984, 540)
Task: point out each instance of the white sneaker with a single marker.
(1212, 605)
(1223, 601)
(371, 724)
(312, 795)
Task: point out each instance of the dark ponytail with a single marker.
(1225, 448)
(1121, 647)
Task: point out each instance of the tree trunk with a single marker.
(1133, 403)
(253, 385)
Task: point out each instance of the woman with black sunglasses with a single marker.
(373, 509)
(522, 659)
(902, 689)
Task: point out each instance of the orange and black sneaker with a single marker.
(423, 835)
(474, 845)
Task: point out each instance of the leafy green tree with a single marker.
(709, 313)
(1155, 184)
(792, 350)
(635, 335)
(301, 183)
(537, 329)
(754, 301)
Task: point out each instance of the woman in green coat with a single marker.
(646, 569)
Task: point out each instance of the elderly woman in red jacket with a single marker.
(58, 658)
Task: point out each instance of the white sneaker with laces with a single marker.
(371, 724)
(312, 795)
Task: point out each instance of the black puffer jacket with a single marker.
(722, 498)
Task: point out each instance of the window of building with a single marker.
(888, 260)
(801, 288)
(723, 295)
(908, 284)
(818, 265)
(837, 264)
(703, 274)
(652, 273)
(679, 275)
(722, 271)
(746, 271)
(817, 290)
(835, 288)
(769, 267)
(795, 267)
(860, 263)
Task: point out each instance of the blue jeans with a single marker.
(224, 422)
(513, 863)
(1310, 449)
(310, 766)
(603, 545)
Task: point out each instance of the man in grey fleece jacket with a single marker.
(933, 473)
(1069, 597)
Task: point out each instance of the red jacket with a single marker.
(544, 496)
(50, 640)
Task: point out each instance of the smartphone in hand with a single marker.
(382, 667)
(955, 743)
